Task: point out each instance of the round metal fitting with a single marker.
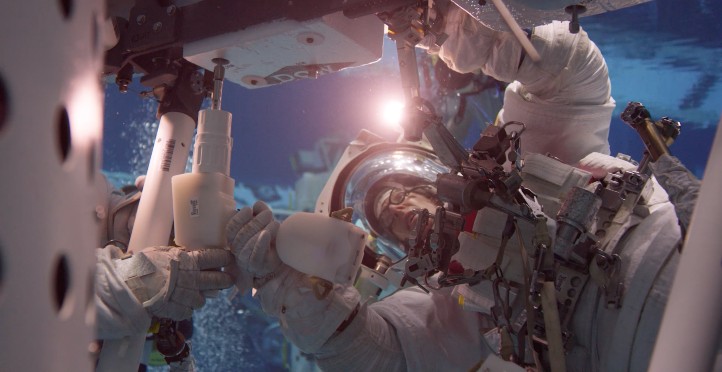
(310, 38)
(254, 80)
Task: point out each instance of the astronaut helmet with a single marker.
(396, 178)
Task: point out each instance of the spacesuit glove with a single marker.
(599, 165)
(251, 235)
(170, 281)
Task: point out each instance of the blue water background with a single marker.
(666, 54)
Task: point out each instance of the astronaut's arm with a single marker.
(681, 185)
(409, 330)
(330, 323)
(165, 282)
(366, 340)
(571, 69)
(317, 316)
(118, 312)
(329, 320)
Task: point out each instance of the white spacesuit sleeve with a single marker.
(309, 314)
(368, 343)
(564, 99)
(571, 68)
(409, 330)
(119, 313)
(471, 46)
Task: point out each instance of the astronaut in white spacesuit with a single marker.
(565, 103)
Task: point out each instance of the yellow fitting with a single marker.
(154, 327)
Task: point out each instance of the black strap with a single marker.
(348, 320)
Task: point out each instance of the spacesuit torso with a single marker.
(605, 331)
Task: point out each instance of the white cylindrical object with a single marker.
(212, 149)
(203, 200)
(322, 246)
(516, 30)
(689, 334)
(202, 205)
(153, 220)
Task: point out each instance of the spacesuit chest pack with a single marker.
(551, 180)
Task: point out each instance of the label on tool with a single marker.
(194, 208)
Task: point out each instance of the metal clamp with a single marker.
(605, 270)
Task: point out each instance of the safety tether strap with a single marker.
(623, 220)
(619, 226)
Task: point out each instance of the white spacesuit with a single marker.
(565, 103)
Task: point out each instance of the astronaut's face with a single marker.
(396, 209)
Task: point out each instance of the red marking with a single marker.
(469, 219)
(455, 268)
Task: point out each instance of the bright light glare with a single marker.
(391, 113)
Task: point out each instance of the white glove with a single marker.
(170, 281)
(599, 165)
(251, 235)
